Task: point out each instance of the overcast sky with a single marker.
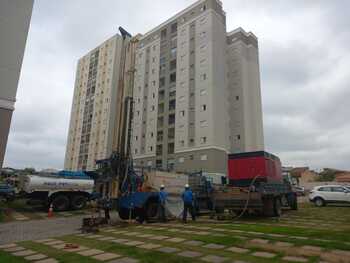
(304, 67)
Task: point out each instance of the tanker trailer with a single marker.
(64, 193)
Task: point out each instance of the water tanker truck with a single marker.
(66, 190)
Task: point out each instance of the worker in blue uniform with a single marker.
(163, 195)
(188, 199)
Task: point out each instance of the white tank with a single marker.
(33, 183)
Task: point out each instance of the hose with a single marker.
(248, 199)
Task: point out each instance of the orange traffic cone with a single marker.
(50, 213)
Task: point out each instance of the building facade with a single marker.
(196, 92)
(94, 118)
(14, 24)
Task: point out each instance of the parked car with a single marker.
(7, 192)
(322, 195)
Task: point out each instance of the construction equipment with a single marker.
(255, 184)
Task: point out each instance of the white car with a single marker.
(321, 195)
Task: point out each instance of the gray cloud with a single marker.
(304, 63)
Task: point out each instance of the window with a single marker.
(161, 94)
(173, 64)
(191, 157)
(151, 134)
(182, 113)
(203, 139)
(153, 59)
(149, 163)
(159, 150)
(203, 76)
(203, 123)
(173, 77)
(159, 164)
(325, 189)
(171, 119)
(173, 52)
(163, 33)
(154, 83)
(204, 107)
(161, 108)
(238, 137)
(172, 93)
(170, 148)
(237, 97)
(150, 148)
(159, 136)
(204, 157)
(338, 189)
(203, 8)
(181, 160)
(171, 133)
(162, 60)
(135, 151)
(172, 105)
(182, 142)
(173, 28)
(152, 108)
(203, 92)
(136, 138)
(161, 81)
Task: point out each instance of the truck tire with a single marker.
(60, 203)
(277, 207)
(151, 210)
(268, 206)
(78, 202)
(319, 202)
(124, 213)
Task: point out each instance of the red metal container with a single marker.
(244, 167)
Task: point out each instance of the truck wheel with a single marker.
(277, 207)
(268, 206)
(60, 203)
(124, 213)
(319, 202)
(151, 210)
(78, 202)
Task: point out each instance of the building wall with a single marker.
(189, 86)
(93, 113)
(14, 23)
(245, 107)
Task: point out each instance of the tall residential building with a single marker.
(196, 92)
(94, 119)
(14, 24)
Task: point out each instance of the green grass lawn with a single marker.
(337, 237)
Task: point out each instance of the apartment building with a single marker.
(14, 24)
(196, 92)
(94, 119)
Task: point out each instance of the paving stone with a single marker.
(8, 245)
(295, 259)
(313, 248)
(214, 246)
(189, 254)
(47, 260)
(240, 261)
(188, 232)
(168, 249)
(106, 256)
(298, 237)
(276, 235)
(213, 259)
(106, 238)
(146, 235)
(203, 228)
(120, 240)
(149, 246)
(35, 257)
(259, 241)
(341, 252)
(23, 253)
(13, 249)
(124, 260)
(55, 242)
(132, 234)
(109, 230)
(174, 230)
(264, 254)
(283, 244)
(90, 252)
(238, 250)
(76, 249)
(159, 237)
(220, 230)
(194, 243)
(175, 240)
(120, 232)
(134, 243)
(59, 246)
